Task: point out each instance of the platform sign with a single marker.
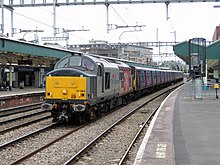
(197, 57)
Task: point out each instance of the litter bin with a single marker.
(21, 84)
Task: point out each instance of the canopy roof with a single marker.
(212, 50)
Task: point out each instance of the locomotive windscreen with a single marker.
(76, 61)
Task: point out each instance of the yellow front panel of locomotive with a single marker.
(65, 88)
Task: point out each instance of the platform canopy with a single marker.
(212, 51)
(12, 51)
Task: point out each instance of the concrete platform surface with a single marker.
(18, 91)
(185, 131)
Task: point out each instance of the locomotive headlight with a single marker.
(73, 95)
(55, 106)
(65, 92)
(49, 93)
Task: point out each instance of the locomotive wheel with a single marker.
(55, 119)
(98, 112)
(81, 118)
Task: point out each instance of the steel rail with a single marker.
(23, 117)
(16, 110)
(27, 136)
(137, 135)
(24, 124)
(47, 145)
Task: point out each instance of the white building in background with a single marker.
(128, 51)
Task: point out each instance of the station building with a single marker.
(26, 64)
(137, 52)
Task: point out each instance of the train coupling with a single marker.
(63, 117)
(46, 106)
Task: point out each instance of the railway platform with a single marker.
(19, 97)
(18, 91)
(185, 130)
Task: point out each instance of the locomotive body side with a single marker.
(125, 79)
(81, 86)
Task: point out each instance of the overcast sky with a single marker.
(189, 20)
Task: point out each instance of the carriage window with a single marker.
(86, 63)
(121, 76)
(75, 61)
(107, 80)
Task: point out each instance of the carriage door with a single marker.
(152, 78)
(145, 79)
(133, 83)
(100, 80)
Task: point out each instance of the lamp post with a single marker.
(174, 33)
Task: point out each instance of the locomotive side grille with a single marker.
(93, 86)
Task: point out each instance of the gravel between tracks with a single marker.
(111, 148)
(66, 148)
(19, 115)
(12, 153)
(8, 136)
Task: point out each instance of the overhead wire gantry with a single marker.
(11, 4)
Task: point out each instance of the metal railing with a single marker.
(202, 91)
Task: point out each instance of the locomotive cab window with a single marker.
(63, 63)
(75, 61)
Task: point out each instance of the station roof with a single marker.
(212, 50)
(12, 50)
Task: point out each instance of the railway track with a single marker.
(81, 137)
(106, 137)
(13, 142)
(19, 109)
(16, 126)
(47, 145)
(20, 121)
(22, 117)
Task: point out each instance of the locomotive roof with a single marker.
(138, 67)
(111, 62)
(101, 59)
